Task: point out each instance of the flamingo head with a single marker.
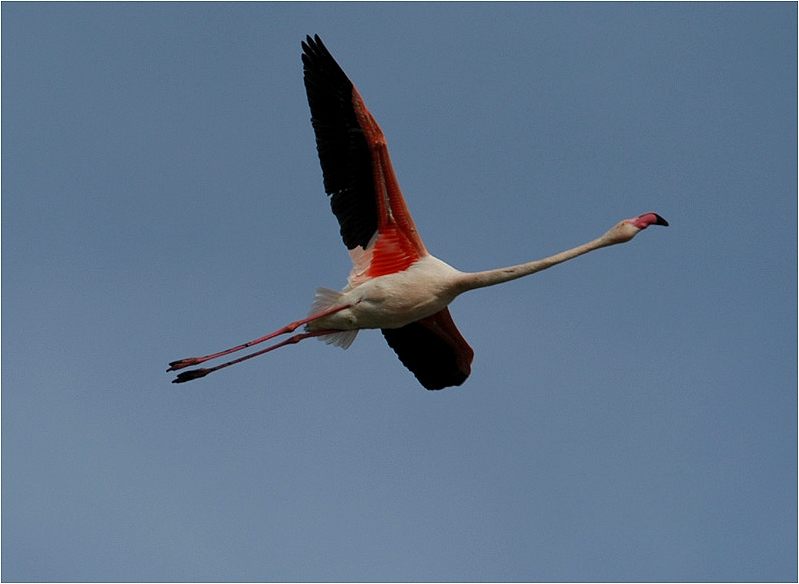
(626, 229)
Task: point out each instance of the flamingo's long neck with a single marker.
(473, 280)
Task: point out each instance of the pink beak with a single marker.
(647, 219)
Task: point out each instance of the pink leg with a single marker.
(202, 372)
(289, 328)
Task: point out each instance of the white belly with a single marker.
(395, 300)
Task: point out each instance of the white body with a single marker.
(393, 300)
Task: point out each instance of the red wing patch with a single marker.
(392, 253)
(398, 244)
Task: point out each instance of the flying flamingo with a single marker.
(395, 284)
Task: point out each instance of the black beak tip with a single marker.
(658, 219)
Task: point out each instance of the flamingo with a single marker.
(395, 284)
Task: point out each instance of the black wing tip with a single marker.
(437, 384)
(317, 60)
(313, 45)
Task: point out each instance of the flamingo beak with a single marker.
(647, 219)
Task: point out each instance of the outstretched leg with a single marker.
(289, 328)
(203, 371)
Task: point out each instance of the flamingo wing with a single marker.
(374, 220)
(433, 349)
(365, 197)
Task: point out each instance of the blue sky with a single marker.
(631, 415)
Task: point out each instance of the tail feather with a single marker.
(324, 299)
(341, 339)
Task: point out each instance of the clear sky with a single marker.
(631, 415)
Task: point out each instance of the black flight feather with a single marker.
(342, 146)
